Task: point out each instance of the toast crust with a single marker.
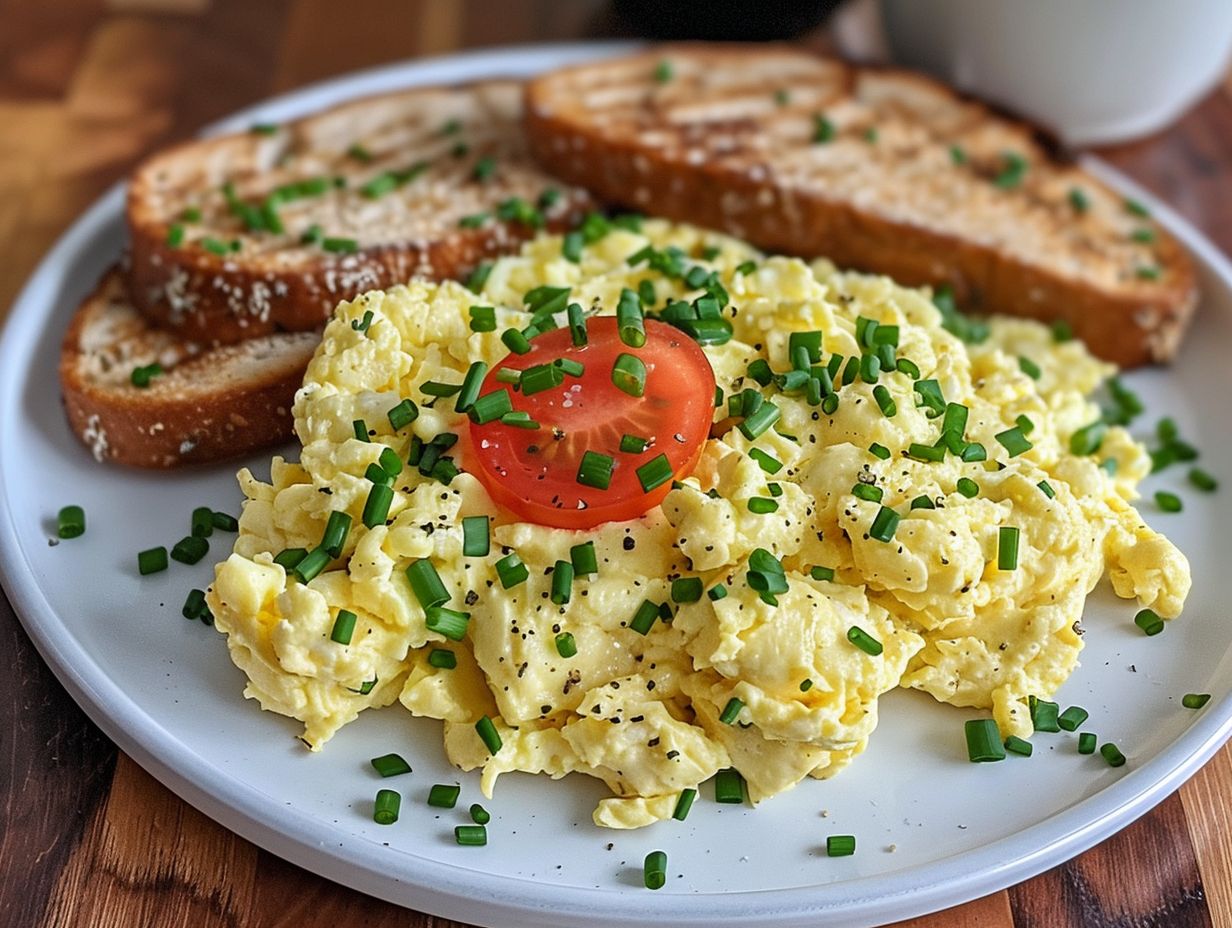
(208, 405)
(449, 155)
(810, 156)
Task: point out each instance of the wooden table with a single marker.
(89, 839)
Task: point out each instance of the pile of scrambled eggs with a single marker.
(642, 712)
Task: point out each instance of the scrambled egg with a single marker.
(642, 712)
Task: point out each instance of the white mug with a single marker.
(1091, 71)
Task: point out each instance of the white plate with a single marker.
(163, 688)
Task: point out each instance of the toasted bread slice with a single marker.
(266, 231)
(882, 171)
(206, 405)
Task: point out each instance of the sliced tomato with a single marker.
(534, 473)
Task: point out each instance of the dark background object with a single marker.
(724, 20)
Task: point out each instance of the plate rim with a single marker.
(468, 895)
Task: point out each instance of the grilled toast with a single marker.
(206, 404)
(244, 235)
(882, 171)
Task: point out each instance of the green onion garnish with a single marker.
(175, 235)
(879, 451)
(867, 492)
(378, 474)
(1195, 700)
(471, 384)
(71, 522)
(488, 734)
(584, 560)
(884, 524)
(1072, 718)
(141, 376)
(870, 368)
(1149, 621)
(385, 809)
(566, 645)
(684, 803)
(756, 424)
(1012, 173)
(974, 452)
(663, 74)
(289, 558)
(633, 444)
(921, 452)
(1007, 548)
(426, 583)
(1078, 200)
(1147, 272)
(476, 539)
(190, 550)
(822, 573)
(450, 623)
(630, 321)
(577, 325)
(1046, 488)
(1202, 480)
(884, 401)
(731, 711)
(1087, 742)
(923, 502)
(194, 605)
(337, 245)
(1136, 208)
(511, 570)
(491, 406)
(654, 473)
(403, 414)
(1112, 754)
(687, 589)
(376, 506)
(339, 526)
(1168, 502)
(484, 168)
(864, 641)
(444, 795)
(654, 869)
(968, 487)
(1045, 715)
(728, 786)
(716, 592)
(541, 377)
(344, 627)
(1087, 440)
(957, 155)
(515, 341)
(643, 620)
(483, 318)
(840, 845)
(442, 658)
(905, 366)
(1029, 367)
(311, 564)
(806, 685)
(480, 816)
(562, 582)
(390, 765)
(823, 129)
(595, 470)
(479, 276)
(1014, 441)
(1020, 746)
(930, 397)
(470, 835)
(629, 374)
(984, 743)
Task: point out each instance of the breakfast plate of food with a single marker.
(798, 473)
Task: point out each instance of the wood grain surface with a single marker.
(89, 839)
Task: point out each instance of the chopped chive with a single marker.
(426, 583)
(511, 570)
(1014, 441)
(974, 452)
(338, 526)
(1072, 718)
(385, 809)
(864, 641)
(1143, 236)
(761, 420)
(633, 444)
(190, 550)
(471, 383)
(840, 845)
(968, 487)
(519, 419)
(761, 505)
(687, 589)
(1007, 548)
(311, 564)
(716, 592)
(884, 524)
(923, 502)
(595, 470)
(630, 320)
(484, 168)
(1195, 700)
(663, 73)
(479, 276)
(337, 245)
(479, 815)
(629, 374)
(930, 397)
(376, 506)
(684, 803)
(483, 318)
(541, 377)
(984, 743)
(470, 835)
(515, 341)
(289, 558)
(1136, 208)
(585, 561)
(444, 795)
(360, 429)
(731, 711)
(377, 474)
(761, 372)
(1086, 742)
(823, 129)
(870, 368)
(654, 868)
(1045, 715)
(806, 685)
(508, 375)
(1020, 746)
(829, 405)
(879, 451)
(1147, 272)
(643, 620)
(214, 246)
(566, 645)
(562, 582)
(810, 341)
(476, 539)
(141, 376)
(1078, 200)
(344, 627)
(1149, 621)
(921, 452)
(728, 786)
(822, 573)
(442, 658)
(1112, 754)
(958, 155)
(390, 765)
(489, 735)
(194, 605)
(450, 623)
(884, 401)
(868, 492)
(1046, 488)
(491, 406)
(1168, 502)
(1062, 331)
(1029, 367)
(403, 414)
(905, 366)
(570, 366)
(175, 235)
(428, 388)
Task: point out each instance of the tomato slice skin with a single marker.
(533, 473)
